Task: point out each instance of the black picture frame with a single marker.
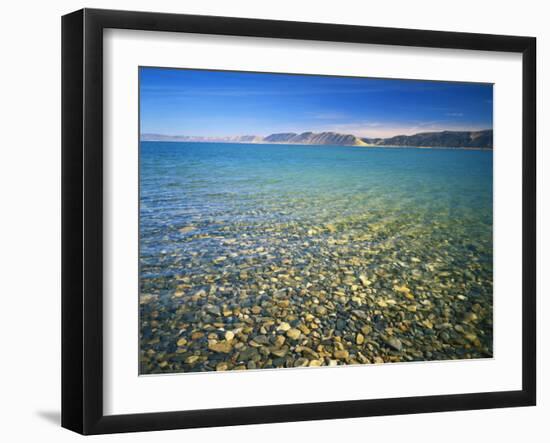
(82, 218)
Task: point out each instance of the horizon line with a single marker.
(244, 134)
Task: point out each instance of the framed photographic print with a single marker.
(269, 221)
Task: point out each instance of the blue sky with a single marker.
(220, 103)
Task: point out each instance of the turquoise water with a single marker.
(323, 216)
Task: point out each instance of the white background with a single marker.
(126, 393)
(30, 234)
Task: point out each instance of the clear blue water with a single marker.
(210, 209)
(213, 186)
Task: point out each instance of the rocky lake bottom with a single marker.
(256, 257)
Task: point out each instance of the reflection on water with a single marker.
(271, 256)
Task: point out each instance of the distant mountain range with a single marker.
(442, 139)
(311, 138)
(192, 138)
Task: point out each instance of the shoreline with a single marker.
(469, 148)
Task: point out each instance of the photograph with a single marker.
(291, 220)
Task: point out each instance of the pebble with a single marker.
(301, 362)
(341, 354)
(280, 352)
(248, 354)
(283, 327)
(261, 340)
(191, 359)
(294, 334)
(321, 310)
(364, 280)
(394, 343)
(366, 329)
(223, 347)
(213, 310)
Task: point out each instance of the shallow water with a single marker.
(248, 239)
